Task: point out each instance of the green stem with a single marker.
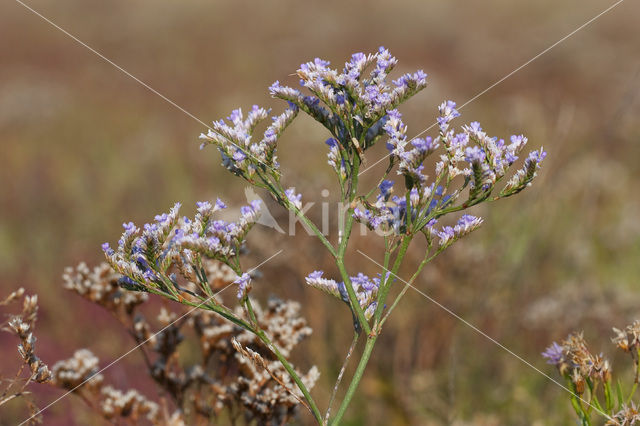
(294, 375)
(282, 199)
(340, 375)
(633, 390)
(607, 397)
(408, 210)
(593, 400)
(577, 405)
(353, 298)
(315, 230)
(385, 284)
(371, 338)
(371, 341)
(252, 315)
(342, 248)
(424, 262)
(222, 311)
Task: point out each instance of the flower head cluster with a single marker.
(390, 213)
(335, 159)
(23, 325)
(574, 361)
(480, 159)
(246, 385)
(352, 104)
(80, 373)
(366, 289)
(100, 286)
(82, 368)
(144, 257)
(449, 234)
(239, 153)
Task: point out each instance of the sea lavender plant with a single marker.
(358, 106)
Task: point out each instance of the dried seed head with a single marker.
(82, 368)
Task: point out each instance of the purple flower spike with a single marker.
(244, 285)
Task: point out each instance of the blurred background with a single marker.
(85, 148)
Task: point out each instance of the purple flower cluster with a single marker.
(145, 257)
(480, 159)
(335, 159)
(234, 140)
(449, 234)
(352, 105)
(523, 177)
(389, 213)
(366, 289)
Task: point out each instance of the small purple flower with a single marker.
(106, 248)
(204, 207)
(363, 281)
(220, 205)
(466, 224)
(161, 218)
(536, 157)
(316, 275)
(150, 227)
(425, 145)
(244, 285)
(236, 116)
(130, 228)
(239, 156)
(518, 140)
(414, 197)
(385, 188)
(475, 127)
(474, 155)
(554, 354)
(446, 235)
(448, 112)
(250, 213)
(316, 280)
(294, 198)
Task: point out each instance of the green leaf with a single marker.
(619, 394)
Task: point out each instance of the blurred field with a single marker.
(85, 148)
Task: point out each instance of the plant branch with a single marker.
(340, 375)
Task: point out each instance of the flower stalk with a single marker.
(359, 107)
